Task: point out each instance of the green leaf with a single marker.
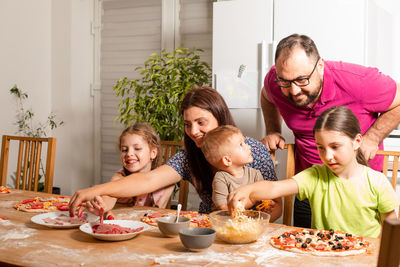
(155, 97)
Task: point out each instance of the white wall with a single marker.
(384, 36)
(46, 49)
(72, 59)
(24, 57)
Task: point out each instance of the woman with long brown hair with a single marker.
(203, 109)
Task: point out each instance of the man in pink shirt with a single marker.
(302, 85)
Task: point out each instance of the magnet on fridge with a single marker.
(242, 68)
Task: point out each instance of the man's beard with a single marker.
(311, 97)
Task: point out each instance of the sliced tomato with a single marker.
(291, 242)
(348, 244)
(320, 247)
(36, 206)
(28, 200)
(63, 208)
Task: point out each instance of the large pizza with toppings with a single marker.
(321, 242)
(44, 204)
(196, 219)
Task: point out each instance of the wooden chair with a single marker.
(389, 251)
(28, 163)
(168, 149)
(390, 164)
(290, 170)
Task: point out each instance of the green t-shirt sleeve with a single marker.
(387, 198)
(306, 181)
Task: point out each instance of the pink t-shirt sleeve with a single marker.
(375, 90)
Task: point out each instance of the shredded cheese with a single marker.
(240, 229)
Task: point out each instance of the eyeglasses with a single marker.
(299, 81)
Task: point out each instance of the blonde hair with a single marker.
(216, 143)
(149, 135)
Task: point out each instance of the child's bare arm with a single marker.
(163, 201)
(276, 210)
(222, 207)
(123, 200)
(389, 215)
(262, 190)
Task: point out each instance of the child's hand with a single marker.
(95, 205)
(238, 198)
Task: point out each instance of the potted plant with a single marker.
(155, 97)
(27, 127)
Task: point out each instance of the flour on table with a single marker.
(5, 223)
(205, 257)
(134, 214)
(66, 252)
(8, 204)
(16, 233)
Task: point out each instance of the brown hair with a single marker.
(208, 99)
(216, 142)
(286, 45)
(343, 120)
(148, 133)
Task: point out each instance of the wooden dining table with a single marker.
(25, 243)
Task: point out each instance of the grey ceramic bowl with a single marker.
(197, 238)
(169, 227)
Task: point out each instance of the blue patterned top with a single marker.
(261, 161)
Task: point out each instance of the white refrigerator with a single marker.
(246, 32)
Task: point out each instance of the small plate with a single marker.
(87, 228)
(38, 219)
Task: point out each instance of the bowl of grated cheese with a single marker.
(245, 227)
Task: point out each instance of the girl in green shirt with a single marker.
(344, 193)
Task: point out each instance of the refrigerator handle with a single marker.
(267, 57)
(264, 58)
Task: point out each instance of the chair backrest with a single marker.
(290, 170)
(390, 165)
(168, 149)
(28, 162)
(389, 251)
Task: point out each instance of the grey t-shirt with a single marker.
(224, 183)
